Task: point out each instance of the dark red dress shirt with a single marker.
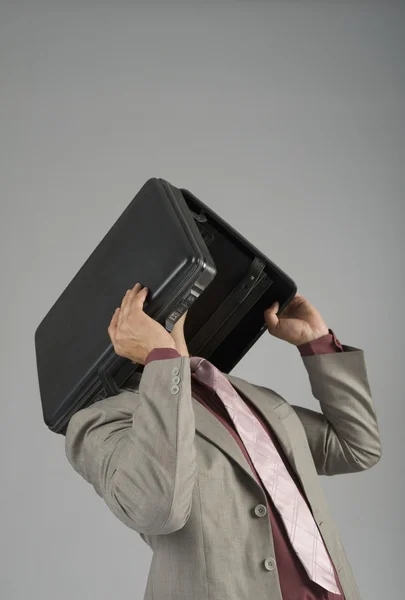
(294, 581)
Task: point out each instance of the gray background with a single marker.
(287, 119)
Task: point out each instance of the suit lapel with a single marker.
(212, 429)
(287, 427)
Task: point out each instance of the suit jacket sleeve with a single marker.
(137, 449)
(344, 437)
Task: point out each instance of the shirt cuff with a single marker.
(161, 353)
(327, 344)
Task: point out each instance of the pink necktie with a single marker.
(300, 525)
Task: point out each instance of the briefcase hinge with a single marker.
(109, 384)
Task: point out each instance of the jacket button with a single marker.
(260, 510)
(174, 389)
(270, 564)
(175, 371)
(176, 379)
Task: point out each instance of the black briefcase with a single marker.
(190, 259)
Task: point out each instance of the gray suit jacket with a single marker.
(169, 470)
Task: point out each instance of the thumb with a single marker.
(141, 297)
(270, 315)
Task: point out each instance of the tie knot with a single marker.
(207, 373)
(195, 362)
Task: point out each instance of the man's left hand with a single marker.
(297, 324)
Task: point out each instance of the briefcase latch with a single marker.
(201, 218)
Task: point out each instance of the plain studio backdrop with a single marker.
(288, 120)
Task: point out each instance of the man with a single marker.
(219, 476)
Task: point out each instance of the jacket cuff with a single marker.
(161, 353)
(327, 344)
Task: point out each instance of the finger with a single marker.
(124, 300)
(121, 311)
(126, 303)
(127, 296)
(114, 318)
(136, 297)
(179, 324)
(112, 328)
(140, 297)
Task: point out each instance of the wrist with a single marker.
(159, 353)
(165, 345)
(313, 337)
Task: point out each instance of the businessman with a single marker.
(218, 475)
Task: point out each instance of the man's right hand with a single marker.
(133, 333)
